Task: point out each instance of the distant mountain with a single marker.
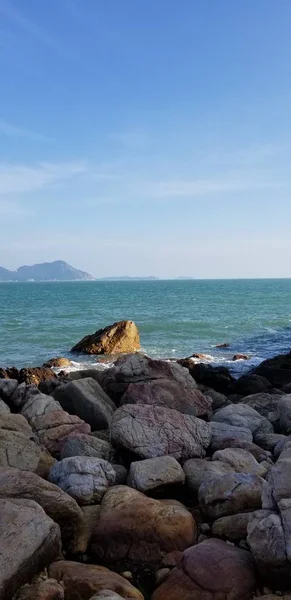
(126, 278)
(53, 271)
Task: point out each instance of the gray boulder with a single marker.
(7, 387)
(267, 543)
(155, 474)
(266, 404)
(86, 399)
(38, 405)
(242, 415)
(199, 470)
(230, 494)
(241, 461)
(268, 441)
(224, 435)
(4, 408)
(87, 445)
(284, 409)
(233, 528)
(17, 450)
(85, 479)
(29, 542)
(22, 393)
(151, 431)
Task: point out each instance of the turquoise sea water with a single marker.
(175, 318)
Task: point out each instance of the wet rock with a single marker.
(138, 368)
(155, 474)
(17, 450)
(224, 435)
(29, 541)
(217, 378)
(55, 427)
(83, 581)
(241, 461)
(251, 384)
(120, 337)
(59, 362)
(35, 375)
(87, 445)
(232, 528)
(151, 431)
(85, 479)
(240, 357)
(140, 529)
(86, 399)
(213, 570)
(241, 415)
(198, 470)
(58, 505)
(276, 370)
(230, 494)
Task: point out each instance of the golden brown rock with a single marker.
(118, 338)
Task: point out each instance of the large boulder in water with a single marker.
(213, 570)
(151, 431)
(276, 370)
(120, 337)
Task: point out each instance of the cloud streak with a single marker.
(196, 188)
(10, 130)
(21, 179)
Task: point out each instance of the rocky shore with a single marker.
(151, 479)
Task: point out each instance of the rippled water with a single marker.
(175, 318)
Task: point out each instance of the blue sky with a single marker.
(146, 137)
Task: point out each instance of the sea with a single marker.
(176, 318)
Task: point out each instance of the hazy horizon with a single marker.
(150, 139)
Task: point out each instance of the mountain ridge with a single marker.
(57, 270)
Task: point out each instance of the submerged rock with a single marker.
(120, 337)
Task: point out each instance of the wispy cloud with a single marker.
(23, 178)
(166, 189)
(11, 130)
(12, 210)
(38, 33)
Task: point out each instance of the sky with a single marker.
(146, 137)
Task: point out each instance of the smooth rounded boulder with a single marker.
(137, 528)
(198, 470)
(241, 461)
(86, 399)
(155, 474)
(84, 478)
(84, 581)
(230, 494)
(29, 542)
(224, 435)
(151, 431)
(213, 570)
(242, 415)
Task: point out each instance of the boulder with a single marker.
(241, 415)
(108, 595)
(278, 486)
(233, 527)
(224, 435)
(139, 529)
(58, 505)
(86, 399)
(284, 409)
(120, 474)
(170, 394)
(151, 431)
(138, 368)
(240, 357)
(83, 581)
(9, 373)
(251, 384)
(268, 441)
(153, 475)
(198, 470)
(267, 543)
(47, 589)
(7, 387)
(60, 362)
(17, 450)
(35, 375)
(276, 370)
(84, 478)
(10, 422)
(230, 494)
(87, 524)
(213, 570)
(231, 442)
(29, 541)
(38, 405)
(266, 404)
(114, 339)
(22, 394)
(87, 445)
(241, 461)
(217, 378)
(55, 427)
(4, 408)
(218, 400)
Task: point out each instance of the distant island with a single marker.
(48, 271)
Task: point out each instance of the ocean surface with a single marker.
(175, 318)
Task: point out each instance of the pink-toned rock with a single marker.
(55, 427)
(213, 570)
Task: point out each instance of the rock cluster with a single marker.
(145, 480)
